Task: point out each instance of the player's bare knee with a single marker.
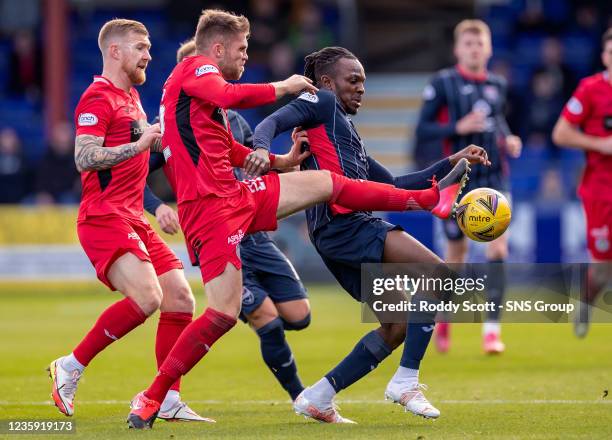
(183, 298)
(299, 324)
(148, 297)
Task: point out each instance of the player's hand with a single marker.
(473, 153)
(150, 136)
(473, 122)
(293, 85)
(514, 146)
(257, 163)
(296, 155)
(167, 219)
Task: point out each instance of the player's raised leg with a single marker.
(301, 190)
(137, 281)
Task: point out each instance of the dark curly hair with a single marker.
(321, 62)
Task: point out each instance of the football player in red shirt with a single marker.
(215, 210)
(112, 146)
(586, 124)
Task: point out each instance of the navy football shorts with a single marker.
(266, 272)
(348, 241)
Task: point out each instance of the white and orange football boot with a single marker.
(63, 386)
(411, 397)
(324, 414)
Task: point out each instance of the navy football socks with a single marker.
(418, 334)
(277, 355)
(366, 356)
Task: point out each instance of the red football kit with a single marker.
(215, 210)
(111, 220)
(590, 108)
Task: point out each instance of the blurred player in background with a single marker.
(586, 124)
(112, 146)
(347, 238)
(464, 105)
(273, 296)
(215, 209)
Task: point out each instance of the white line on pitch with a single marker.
(348, 401)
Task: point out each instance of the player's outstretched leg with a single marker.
(302, 190)
(137, 280)
(450, 187)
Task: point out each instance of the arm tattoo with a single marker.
(90, 155)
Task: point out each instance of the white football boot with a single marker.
(180, 412)
(327, 413)
(411, 397)
(63, 386)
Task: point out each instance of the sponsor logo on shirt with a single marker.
(574, 106)
(309, 97)
(206, 68)
(87, 119)
(467, 89)
(236, 238)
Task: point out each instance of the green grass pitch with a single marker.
(548, 385)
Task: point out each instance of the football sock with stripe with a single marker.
(365, 357)
(277, 355)
(114, 323)
(418, 334)
(193, 343)
(364, 195)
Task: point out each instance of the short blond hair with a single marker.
(119, 27)
(473, 26)
(217, 23)
(186, 49)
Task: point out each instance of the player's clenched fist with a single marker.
(150, 137)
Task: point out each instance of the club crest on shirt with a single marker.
(87, 119)
(490, 92)
(574, 106)
(309, 97)
(206, 68)
(482, 106)
(429, 92)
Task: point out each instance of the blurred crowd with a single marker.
(542, 47)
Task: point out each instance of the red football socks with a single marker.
(191, 346)
(364, 195)
(114, 323)
(169, 328)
